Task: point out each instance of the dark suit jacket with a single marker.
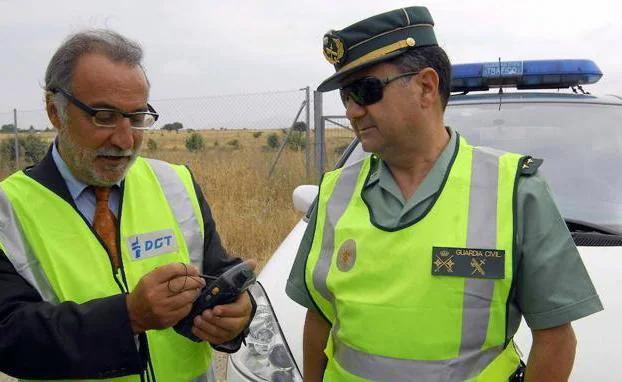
(39, 340)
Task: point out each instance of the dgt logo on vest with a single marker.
(152, 244)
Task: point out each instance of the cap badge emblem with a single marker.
(333, 48)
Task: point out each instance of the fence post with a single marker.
(16, 140)
(308, 145)
(318, 119)
(291, 129)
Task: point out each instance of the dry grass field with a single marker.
(253, 213)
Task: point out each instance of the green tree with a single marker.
(273, 141)
(234, 143)
(297, 140)
(175, 126)
(9, 128)
(300, 126)
(32, 147)
(195, 142)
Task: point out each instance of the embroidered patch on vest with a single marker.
(468, 262)
(152, 244)
(346, 256)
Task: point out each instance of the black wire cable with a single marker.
(149, 370)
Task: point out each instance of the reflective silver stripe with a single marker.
(379, 368)
(181, 205)
(481, 233)
(335, 208)
(20, 254)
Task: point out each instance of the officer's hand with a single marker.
(224, 322)
(163, 296)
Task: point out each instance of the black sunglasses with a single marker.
(140, 120)
(368, 90)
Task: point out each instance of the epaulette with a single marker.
(529, 166)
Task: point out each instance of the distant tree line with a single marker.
(175, 126)
(10, 129)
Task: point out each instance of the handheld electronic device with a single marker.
(219, 291)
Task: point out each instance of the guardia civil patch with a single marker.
(475, 263)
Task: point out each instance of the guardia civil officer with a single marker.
(420, 260)
(100, 248)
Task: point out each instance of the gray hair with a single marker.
(428, 57)
(60, 70)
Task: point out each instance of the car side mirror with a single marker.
(303, 196)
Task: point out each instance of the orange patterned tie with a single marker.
(105, 223)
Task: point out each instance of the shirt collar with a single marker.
(381, 174)
(75, 186)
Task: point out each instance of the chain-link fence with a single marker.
(286, 114)
(333, 133)
(276, 112)
(268, 110)
(338, 135)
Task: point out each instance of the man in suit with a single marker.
(100, 249)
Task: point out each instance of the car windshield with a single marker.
(581, 144)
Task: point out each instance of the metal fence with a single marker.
(332, 135)
(325, 135)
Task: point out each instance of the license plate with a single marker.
(503, 69)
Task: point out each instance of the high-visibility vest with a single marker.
(57, 252)
(414, 303)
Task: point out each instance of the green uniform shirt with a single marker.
(552, 284)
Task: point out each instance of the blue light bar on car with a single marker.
(536, 74)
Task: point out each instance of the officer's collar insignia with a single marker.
(333, 48)
(530, 166)
(346, 256)
(468, 262)
(527, 163)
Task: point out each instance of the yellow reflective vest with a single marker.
(427, 301)
(57, 252)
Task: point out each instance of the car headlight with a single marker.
(266, 356)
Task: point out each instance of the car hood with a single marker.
(597, 335)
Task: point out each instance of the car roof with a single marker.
(533, 97)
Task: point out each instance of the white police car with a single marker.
(579, 136)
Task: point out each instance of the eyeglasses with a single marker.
(368, 90)
(140, 120)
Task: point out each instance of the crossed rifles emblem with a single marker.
(478, 266)
(444, 262)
